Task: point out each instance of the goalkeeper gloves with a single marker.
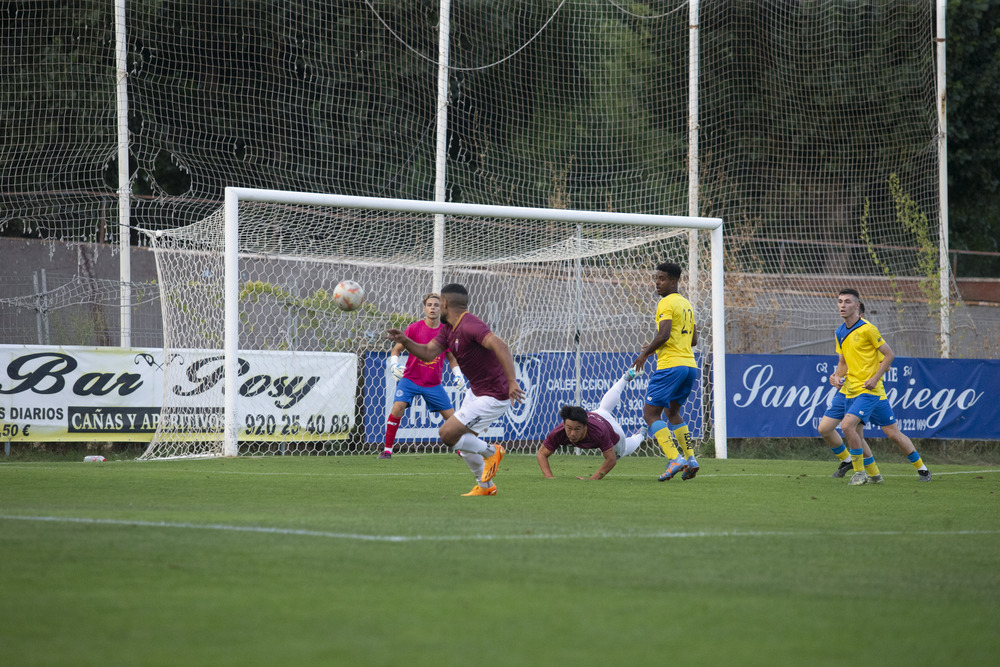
(459, 379)
(397, 368)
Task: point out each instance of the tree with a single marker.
(973, 61)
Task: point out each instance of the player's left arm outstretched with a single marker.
(423, 351)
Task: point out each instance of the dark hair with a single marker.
(861, 307)
(574, 413)
(671, 269)
(850, 290)
(455, 290)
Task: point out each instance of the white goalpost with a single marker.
(570, 291)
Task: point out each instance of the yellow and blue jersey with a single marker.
(859, 344)
(677, 351)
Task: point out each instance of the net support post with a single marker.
(230, 444)
(944, 280)
(441, 145)
(124, 186)
(693, 133)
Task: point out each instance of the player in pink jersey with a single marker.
(489, 368)
(420, 378)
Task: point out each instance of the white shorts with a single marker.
(479, 412)
(620, 444)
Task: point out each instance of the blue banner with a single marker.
(549, 381)
(783, 396)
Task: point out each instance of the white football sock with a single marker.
(610, 399)
(469, 443)
(476, 465)
(631, 444)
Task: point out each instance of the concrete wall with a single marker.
(80, 303)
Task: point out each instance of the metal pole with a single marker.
(124, 187)
(719, 347)
(944, 285)
(45, 308)
(577, 338)
(693, 182)
(452, 209)
(231, 340)
(441, 148)
(39, 295)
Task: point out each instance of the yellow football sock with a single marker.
(666, 443)
(917, 462)
(857, 457)
(683, 435)
(842, 453)
(871, 468)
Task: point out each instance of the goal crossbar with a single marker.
(234, 195)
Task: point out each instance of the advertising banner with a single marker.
(782, 396)
(50, 393)
(549, 381)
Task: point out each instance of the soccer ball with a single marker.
(348, 295)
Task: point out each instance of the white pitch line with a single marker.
(295, 532)
(332, 473)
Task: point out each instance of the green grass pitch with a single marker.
(357, 561)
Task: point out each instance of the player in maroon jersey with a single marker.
(489, 370)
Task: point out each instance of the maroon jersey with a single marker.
(600, 435)
(480, 366)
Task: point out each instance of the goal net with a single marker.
(570, 292)
(816, 127)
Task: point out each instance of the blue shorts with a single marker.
(869, 408)
(838, 407)
(435, 397)
(671, 384)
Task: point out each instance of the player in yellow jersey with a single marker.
(835, 413)
(832, 418)
(864, 357)
(675, 374)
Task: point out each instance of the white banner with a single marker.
(51, 393)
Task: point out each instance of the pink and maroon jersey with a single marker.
(423, 373)
(600, 435)
(480, 366)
